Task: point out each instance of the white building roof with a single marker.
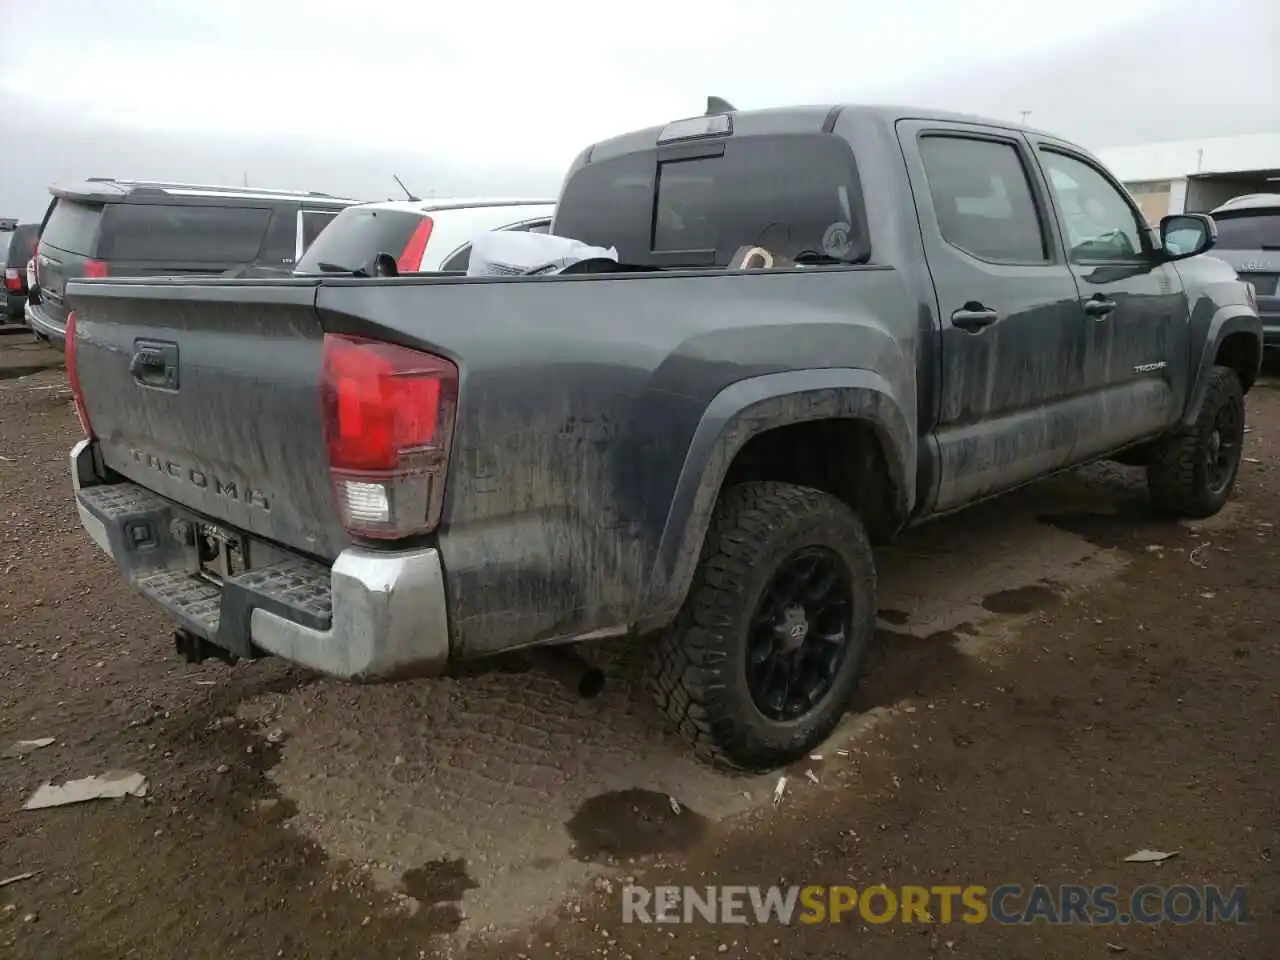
(1177, 159)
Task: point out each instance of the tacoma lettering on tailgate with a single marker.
(202, 480)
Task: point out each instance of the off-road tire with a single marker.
(1178, 476)
(698, 668)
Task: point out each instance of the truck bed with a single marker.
(568, 498)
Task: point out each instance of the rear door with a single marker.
(1138, 322)
(1012, 331)
(169, 239)
(67, 241)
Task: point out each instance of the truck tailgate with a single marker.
(208, 394)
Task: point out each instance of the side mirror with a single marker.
(1185, 235)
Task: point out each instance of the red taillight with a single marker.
(411, 256)
(388, 422)
(13, 279)
(73, 376)
(95, 270)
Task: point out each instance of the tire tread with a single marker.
(685, 675)
(1175, 477)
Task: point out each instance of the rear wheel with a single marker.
(763, 660)
(1193, 473)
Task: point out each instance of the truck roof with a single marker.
(795, 119)
(112, 189)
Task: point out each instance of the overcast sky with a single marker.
(496, 97)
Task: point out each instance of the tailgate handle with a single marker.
(155, 364)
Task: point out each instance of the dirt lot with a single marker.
(1062, 681)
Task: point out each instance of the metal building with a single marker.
(1194, 176)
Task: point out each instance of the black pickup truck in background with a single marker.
(381, 477)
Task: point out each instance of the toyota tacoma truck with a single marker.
(826, 324)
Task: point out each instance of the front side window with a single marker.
(983, 200)
(1098, 220)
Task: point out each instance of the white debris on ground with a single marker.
(17, 878)
(1150, 856)
(110, 786)
(23, 747)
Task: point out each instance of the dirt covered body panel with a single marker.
(579, 407)
(227, 421)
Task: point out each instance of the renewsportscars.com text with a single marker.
(1003, 904)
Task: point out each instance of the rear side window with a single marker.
(355, 237)
(982, 198)
(1252, 231)
(72, 226)
(461, 259)
(181, 233)
(791, 193)
(458, 261)
(313, 221)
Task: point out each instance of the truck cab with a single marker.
(826, 323)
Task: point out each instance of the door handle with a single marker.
(155, 364)
(1099, 307)
(974, 317)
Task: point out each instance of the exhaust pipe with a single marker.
(565, 664)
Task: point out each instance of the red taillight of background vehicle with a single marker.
(73, 376)
(95, 270)
(388, 423)
(13, 279)
(411, 256)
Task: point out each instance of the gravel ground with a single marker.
(1060, 681)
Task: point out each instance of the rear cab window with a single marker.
(355, 237)
(72, 226)
(696, 203)
(169, 233)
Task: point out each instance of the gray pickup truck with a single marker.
(383, 477)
